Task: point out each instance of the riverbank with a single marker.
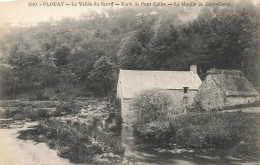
(83, 132)
(28, 152)
(77, 141)
(210, 134)
(15, 151)
(93, 132)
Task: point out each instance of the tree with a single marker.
(101, 76)
(131, 54)
(152, 110)
(162, 47)
(61, 54)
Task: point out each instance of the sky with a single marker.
(18, 13)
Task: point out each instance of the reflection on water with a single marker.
(147, 153)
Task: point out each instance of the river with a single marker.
(151, 154)
(15, 151)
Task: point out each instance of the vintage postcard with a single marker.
(125, 82)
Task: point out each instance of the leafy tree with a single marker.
(152, 110)
(7, 82)
(131, 55)
(101, 76)
(61, 54)
(162, 47)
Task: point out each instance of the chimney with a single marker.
(193, 69)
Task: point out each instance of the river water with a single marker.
(14, 151)
(151, 154)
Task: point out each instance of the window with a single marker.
(185, 89)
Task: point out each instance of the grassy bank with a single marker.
(220, 135)
(79, 142)
(82, 132)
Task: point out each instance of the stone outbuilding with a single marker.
(181, 85)
(225, 89)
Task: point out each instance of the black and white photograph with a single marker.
(121, 82)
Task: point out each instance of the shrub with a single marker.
(232, 133)
(114, 120)
(150, 107)
(155, 130)
(76, 141)
(66, 108)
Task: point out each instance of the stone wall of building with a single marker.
(209, 95)
(126, 112)
(180, 98)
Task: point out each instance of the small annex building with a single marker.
(181, 85)
(225, 89)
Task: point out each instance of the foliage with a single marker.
(226, 133)
(61, 54)
(6, 82)
(131, 54)
(55, 60)
(38, 110)
(101, 77)
(76, 141)
(219, 134)
(66, 108)
(163, 47)
(219, 38)
(114, 121)
(33, 104)
(151, 111)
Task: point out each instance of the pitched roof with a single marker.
(134, 81)
(234, 85)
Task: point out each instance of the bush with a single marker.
(66, 108)
(114, 120)
(218, 134)
(155, 130)
(232, 133)
(76, 141)
(150, 107)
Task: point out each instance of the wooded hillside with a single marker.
(82, 57)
